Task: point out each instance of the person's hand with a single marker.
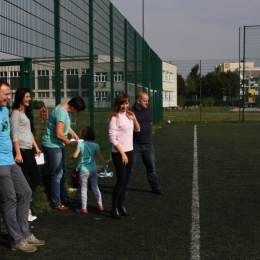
(130, 114)
(124, 159)
(18, 158)
(38, 152)
(74, 136)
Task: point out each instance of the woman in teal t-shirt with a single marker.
(53, 143)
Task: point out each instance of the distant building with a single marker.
(169, 78)
(75, 78)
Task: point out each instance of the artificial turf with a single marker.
(159, 227)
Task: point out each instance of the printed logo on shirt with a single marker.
(4, 124)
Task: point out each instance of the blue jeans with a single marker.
(56, 160)
(148, 156)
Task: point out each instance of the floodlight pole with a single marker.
(143, 18)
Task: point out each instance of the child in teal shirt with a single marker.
(87, 151)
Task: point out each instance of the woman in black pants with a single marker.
(121, 126)
(22, 128)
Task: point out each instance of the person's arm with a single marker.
(113, 130)
(75, 154)
(38, 151)
(60, 126)
(73, 134)
(131, 115)
(18, 157)
(101, 159)
(14, 120)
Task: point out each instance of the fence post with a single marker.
(111, 54)
(57, 51)
(91, 66)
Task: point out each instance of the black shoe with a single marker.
(122, 211)
(115, 214)
(158, 192)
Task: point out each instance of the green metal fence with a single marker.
(66, 48)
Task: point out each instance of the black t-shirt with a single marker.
(145, 119)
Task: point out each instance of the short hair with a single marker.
(88, 134)
(77, 103)
(4, 83)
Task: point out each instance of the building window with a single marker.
(61, 94)
(118, 76)
(43, 79)
(163, 75)
(101, 95)
(53, 79)
(117, 93)
(3, 75)
(72, 79)
(100, 77)
(171, 77)
(85, 79)
(15, 79)
(43, 94)
(167, 77)
(72, 94)
(85, 94)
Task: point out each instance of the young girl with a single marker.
(87, 151)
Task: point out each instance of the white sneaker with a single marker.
(31, 217)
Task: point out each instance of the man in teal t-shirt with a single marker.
(15, 193)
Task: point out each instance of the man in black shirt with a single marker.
(143, 145)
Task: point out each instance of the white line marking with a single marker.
(195, 208)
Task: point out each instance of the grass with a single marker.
(159, 228)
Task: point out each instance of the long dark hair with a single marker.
(19, 96)
(119, 100)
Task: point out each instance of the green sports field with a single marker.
(226, 216)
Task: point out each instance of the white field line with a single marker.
(195, 208)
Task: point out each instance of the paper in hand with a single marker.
(39, 159)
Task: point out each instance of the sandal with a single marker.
(60, 207)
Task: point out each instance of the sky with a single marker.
(191, 29)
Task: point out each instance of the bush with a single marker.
(38, 104)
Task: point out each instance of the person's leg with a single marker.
(63, 192)
(54, 159)
(33, 170)
(15, 195)
(128, 169)
(121, 178)
(93, 179)
(83, 178)
(149, 161)
(137, 152)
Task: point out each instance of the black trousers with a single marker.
(29, 168)
(122, 173)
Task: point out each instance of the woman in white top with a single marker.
(121, 126)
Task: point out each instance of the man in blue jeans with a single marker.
(15, 192)
(143, 145)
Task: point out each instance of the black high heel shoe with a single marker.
(123, 211)
(115, 214)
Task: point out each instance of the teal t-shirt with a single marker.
(87, 156)
(6, 147)
(49, 139)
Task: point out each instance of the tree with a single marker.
(180, 85)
